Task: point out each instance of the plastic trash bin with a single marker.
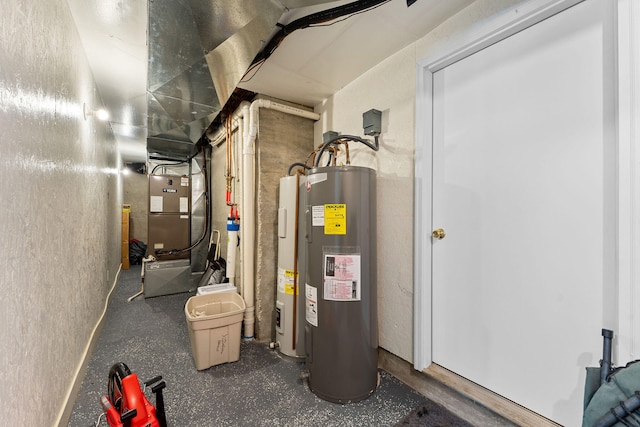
(214, 322)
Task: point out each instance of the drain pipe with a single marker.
(240, 122)
(248, 200)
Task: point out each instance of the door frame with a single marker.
(627, 130)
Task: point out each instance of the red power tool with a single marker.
(126, 404)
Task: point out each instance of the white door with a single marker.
(523, 187)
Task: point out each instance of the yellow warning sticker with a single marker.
(285, 281)
(288, 289)
(288, 283)
(335, 218)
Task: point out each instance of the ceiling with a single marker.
(308, 66)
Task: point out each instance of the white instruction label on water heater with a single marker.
(311, 303)
(317, 216)
(342, 277)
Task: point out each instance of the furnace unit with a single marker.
(169, 234)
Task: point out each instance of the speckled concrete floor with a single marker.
(261, 389)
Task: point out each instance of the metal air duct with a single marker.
(198, 52)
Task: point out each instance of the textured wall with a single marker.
(394, 80)
(390, 87)
(135, 192)
(282, 140)
(60, 209)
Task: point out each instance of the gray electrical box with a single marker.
(329, 135)
(372, 122)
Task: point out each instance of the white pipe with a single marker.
(232, 244)
(232, 235)
(220, 136)
(248, 199)
(243, 121)
(216, 254)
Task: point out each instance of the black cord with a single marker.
(374, 147)
(313, 19)
(206, 209)
(347, 17)
(165, 164)
(200, 145)
(296, 164)
(255, 67)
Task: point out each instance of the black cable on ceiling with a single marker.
(310, 20)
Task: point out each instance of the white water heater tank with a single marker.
(289, 313)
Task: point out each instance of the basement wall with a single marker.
(391, 88)
(136, 193)
(282, 140)
(60, 210)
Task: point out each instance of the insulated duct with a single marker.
(198, 52)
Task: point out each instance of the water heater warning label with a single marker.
(335, 218)
(317, 216)
(285, 281)
(311, 299)
(342, 277)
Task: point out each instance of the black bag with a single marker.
(137, 251)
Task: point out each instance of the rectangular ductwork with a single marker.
(198, 52)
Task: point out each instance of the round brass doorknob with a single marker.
(438, 233)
